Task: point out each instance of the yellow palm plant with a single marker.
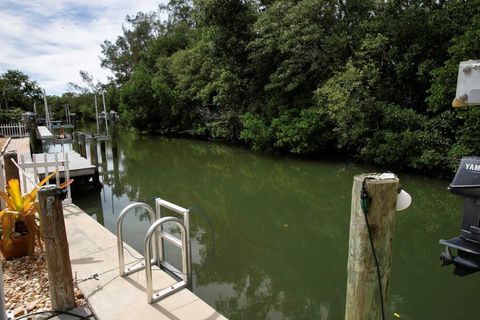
(21, 208)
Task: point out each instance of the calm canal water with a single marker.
(281, 228)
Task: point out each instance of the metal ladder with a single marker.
(158, 258)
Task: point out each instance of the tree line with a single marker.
(371, 79)
(368, 78)
(19, 93)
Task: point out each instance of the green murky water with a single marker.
(281, 228)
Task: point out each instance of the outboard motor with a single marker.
(466, 183)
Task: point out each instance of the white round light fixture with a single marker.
(403, 200)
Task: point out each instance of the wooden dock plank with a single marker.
(78, 165)
(44, 133)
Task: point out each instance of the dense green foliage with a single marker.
(17, 93)
(372, 79)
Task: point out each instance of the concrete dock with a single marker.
(93, 249)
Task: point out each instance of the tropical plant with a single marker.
(20, 213)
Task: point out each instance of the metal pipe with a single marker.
(96, 114)
(47, 113)
(158, 211)
(105, 111)
(172, 206)
(186, 220)
(121, 216)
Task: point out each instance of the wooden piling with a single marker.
(363, 299)
(83, 147)
(30, 122)
(11, 171)
(75, 146)
(103, 152)
(56, 248)
(75, 136)
(93, 152)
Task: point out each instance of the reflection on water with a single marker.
(281, 228)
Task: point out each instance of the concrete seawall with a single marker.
(93, 250)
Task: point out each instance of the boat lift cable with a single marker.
(96, 276)
(365, 204)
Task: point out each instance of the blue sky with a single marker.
(51, 41)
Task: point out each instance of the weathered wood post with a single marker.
(93, 151)
(116, 174)
(83, 148)
(74, 136)
(56, 248)
(30, 123)
(75, 141)
(94, 159)
(363, 298)
(103, 152)
(11, 171)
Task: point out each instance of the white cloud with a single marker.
(52, 40)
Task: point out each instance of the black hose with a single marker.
(379, 278)
(365, 204)
(55, 313)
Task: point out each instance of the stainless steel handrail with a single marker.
(186, 260)
(121, 258)
(158, 257)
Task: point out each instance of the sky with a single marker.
(52, 40)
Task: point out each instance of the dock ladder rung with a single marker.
(174, 240)
(186, 261)
(158, 236)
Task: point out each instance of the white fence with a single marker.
(34, 171)
(13, 130)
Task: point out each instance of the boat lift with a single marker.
(466, 184)
(158, 235)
